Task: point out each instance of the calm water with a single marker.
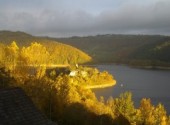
(154, 84)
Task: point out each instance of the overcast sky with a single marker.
(60, 18)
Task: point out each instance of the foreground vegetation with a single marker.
(68, 103)
(64, 98)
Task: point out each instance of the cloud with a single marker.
(134, 18)
(127, 18)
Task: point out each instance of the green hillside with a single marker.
(59, 53)
(137, 50)
(153, 54)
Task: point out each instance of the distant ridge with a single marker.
(135, 50)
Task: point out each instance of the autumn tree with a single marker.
(152, 115)
(35, 55)
(40, 72)
(11, 53)
(2, 55)
(160, 115)
(124, 106)
(146, 109)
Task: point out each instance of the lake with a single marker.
(143, 83)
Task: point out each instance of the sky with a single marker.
(64, 18)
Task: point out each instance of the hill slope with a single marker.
(129, 49)
(136, 50)
(60, 53)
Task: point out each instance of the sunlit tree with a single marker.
(124, 106)
(11, 53)
(160, 115)
(146, 109)
(2, 55)
(35, 55)
(41, 70)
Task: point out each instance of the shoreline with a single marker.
(152, 67)
(133, 66)
(101, 86)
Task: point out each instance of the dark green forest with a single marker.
(134, 50)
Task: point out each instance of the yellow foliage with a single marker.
(12, 54)
(35, 55)
(40, 72)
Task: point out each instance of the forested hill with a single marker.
(136, 50)
(59, 53)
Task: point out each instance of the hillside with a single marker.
(136, 50)
(59, 53)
